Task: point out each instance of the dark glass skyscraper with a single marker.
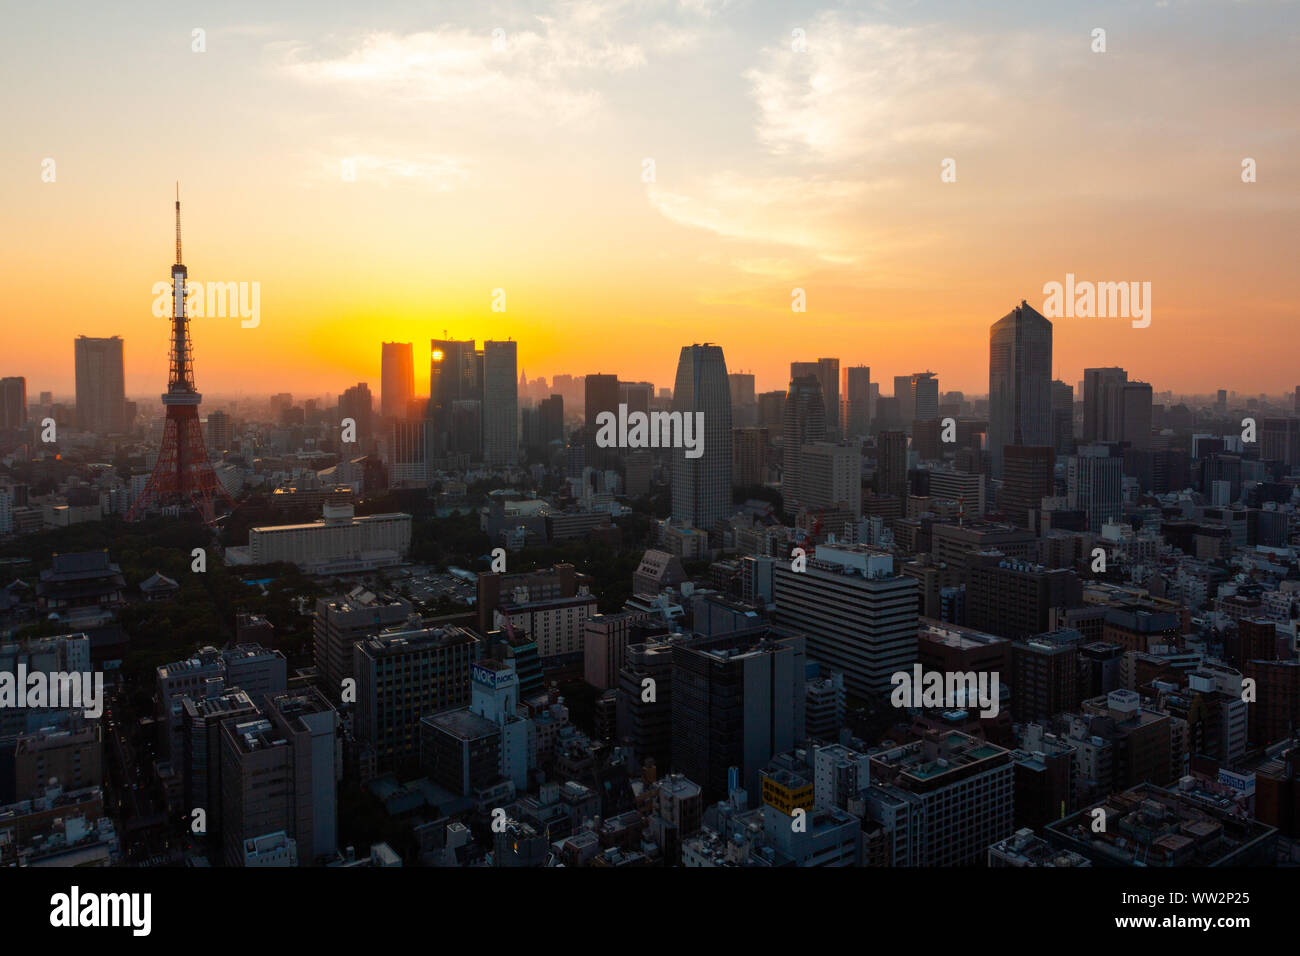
(500, 403)
(454, 381)
(1020, 382)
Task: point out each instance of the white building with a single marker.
(271, 849)
(494, 695)
(860, 618)
(340, 542)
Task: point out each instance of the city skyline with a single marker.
(768, 187)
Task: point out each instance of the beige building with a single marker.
(72, 757)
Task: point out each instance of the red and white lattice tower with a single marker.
(183, 472)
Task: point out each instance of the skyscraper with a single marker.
(858, 615)
(397, 378)
(1062, 417)
(744, 400)
(737, 700)
(925, 396)
(453, 377)
(702, 485)
(742, 389)
(830, 476)
(218, 431)
(100, 384)
(500, 403)
(1135, 415)
(1096, 483)
(903, 395)
(805, 423)
(827, 373)
(891, 464)
(13, 402)
(357, 404)
(1020, 382)
(1103, 412)
(855, 397)
(600, 394)
(1027, 479)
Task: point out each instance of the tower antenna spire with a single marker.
(183, 471)
(178, 222)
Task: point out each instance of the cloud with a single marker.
(548, 68)
(463, 73)
(861, 89)
(806, 214)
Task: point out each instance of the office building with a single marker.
(827, 373)
(905, 400)
(339, 542)
(13, 403)
(857, 615)
(855, 399)
(830, 478)
(280, 772)
(601, 393)
(943, 800)
(891, 464)
(500, 404)
(1103, 404)
(605, 640)
(402, 675)
(1020, 377)
(1015, 599)
(644, 714)
(702, 485)
(805, 423)
(397, 378)
(341, 621)
(749, 456)
(1096, 484)
(101, 378)
(736, 701)
(1028, 477)
(455, 384)
(1135, 415)
(925, 396)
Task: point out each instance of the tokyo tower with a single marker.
(183, 471)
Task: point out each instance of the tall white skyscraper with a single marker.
(702, 486)
(500, 403)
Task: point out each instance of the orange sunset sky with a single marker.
(520, 166)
